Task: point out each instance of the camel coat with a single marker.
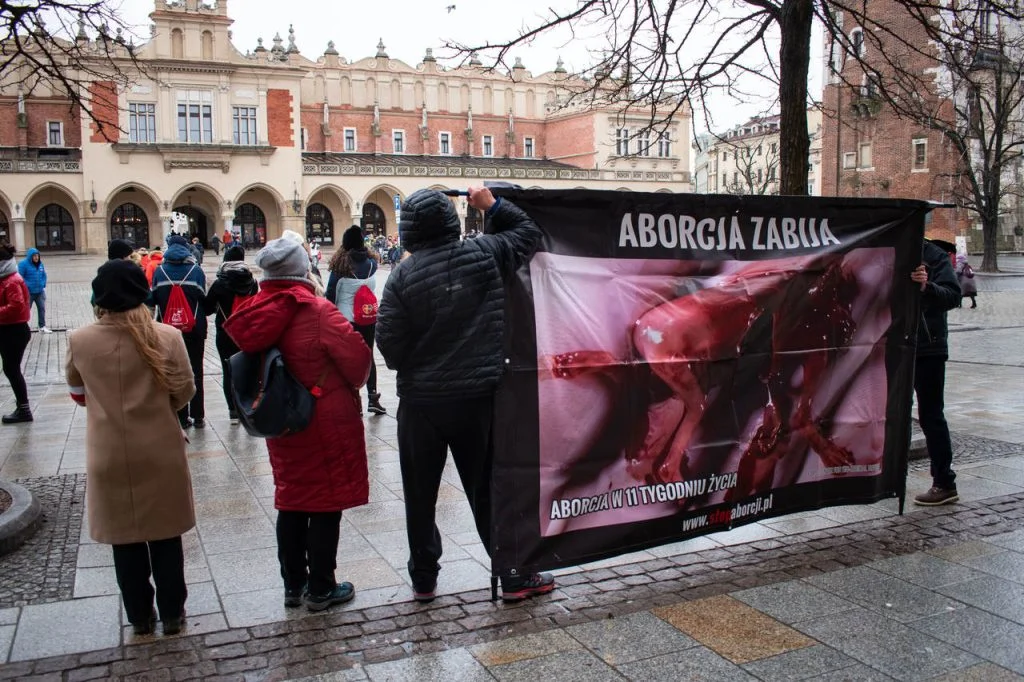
(138, 487)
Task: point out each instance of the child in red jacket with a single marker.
(14, 332)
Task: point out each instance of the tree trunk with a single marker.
(989, 238)
(795, 19)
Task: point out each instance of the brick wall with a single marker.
(280, 129)
(103, 105)
(39, 112)
(892, 172)
(571, 136)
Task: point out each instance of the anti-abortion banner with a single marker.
(681, 365)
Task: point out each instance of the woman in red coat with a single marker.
(322, 470)
(14, 332)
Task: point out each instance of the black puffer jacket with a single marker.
(233, 279)
(441, 317)
(941, 293)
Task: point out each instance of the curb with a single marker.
(21, 521)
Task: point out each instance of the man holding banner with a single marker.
(441, 326)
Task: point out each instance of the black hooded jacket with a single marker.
(441, 317)
(941, 293)
(233, 279)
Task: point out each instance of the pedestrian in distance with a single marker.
(156, 257)
(441, 327)
(131, 374)
(197, 249)
(33, 272)
(233, 285)
(120, 249)
(320, 471)
(179, 293)
(15, 312)
(940, 293)
(965, 277)
(353, 267)
(215, 243)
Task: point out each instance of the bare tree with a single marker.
(756, 167)
(63, 46)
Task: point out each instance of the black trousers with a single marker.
(307, 548)
(425, 433)
(930, 387)
(14, 340)
(225, 349)
(165, 560)
(368, 332)
(196, 408)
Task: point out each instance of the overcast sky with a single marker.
(408, 27)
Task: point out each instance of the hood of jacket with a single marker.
(258, 324)
(178, 253)
(236, 277)
(28, 257)
(156, 257)
(428, 219)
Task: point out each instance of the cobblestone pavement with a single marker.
(238, 628)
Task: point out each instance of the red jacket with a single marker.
(14, 300)
(324, 467)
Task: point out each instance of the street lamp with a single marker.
(93, 206)
(296, 202)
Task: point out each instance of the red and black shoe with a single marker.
(424, 592)
(518, 589)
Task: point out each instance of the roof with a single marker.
(430, 161)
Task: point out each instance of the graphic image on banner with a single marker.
(685, 364)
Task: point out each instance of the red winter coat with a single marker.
(14, 300)
(322, 468)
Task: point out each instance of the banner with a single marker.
(683, 364)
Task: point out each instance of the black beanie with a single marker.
(120, 285)
(353, 238)
(235, 252)
(6, 253)
(119, 249)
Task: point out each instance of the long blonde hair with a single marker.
(138, 323)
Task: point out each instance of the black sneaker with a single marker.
(199, 423)
(145, 628)
(424, 592)
(341, 593)
(233, 416)
(21, 415)
(173, 625)
(373, 404)
(293, 598)
(518, 589)
(185, 423)
(937, 496)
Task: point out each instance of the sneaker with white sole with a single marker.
(46, 330)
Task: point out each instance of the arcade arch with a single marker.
(337, 205)
(133, 213)
(270, 206)
(200, 206)
(379, 214)
(54, 217)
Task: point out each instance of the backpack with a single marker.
(271, 402)
(178, 313)
(364, 303)
(968, 271)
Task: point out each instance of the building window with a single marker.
(622, 142)
(644, 146)
(850, 160)
(865, 155)
(857, 43)
(725, 156)
(398, 141)
(759, 150)
(131, 223)
(664, 145)
(303, 137)
(55, 229)
(141, 123)
(759, 175)
(725, 179)
(444, 143)
(243, 122)
(488, 145)
(771, 173)
(735, 177)
(920, 154)
(54, 134)
(350, 139)
(195, 116)
(774, 148)
(528, 147)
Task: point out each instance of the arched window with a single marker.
(396, 94)
(319, 225)
(207, 45)
(5, 229)
(252, 224)
(177, 44)
(374, 221)
(531, 104)
(857, 43)
(130, 223)
(474, 220)
(55, 229)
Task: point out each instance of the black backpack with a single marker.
(270, 401)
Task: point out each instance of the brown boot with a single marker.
(937, 496)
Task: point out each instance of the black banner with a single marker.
(685, 364)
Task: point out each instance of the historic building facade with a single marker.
(205, 138)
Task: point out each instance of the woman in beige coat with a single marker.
(133, 374)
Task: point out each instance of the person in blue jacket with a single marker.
(179, 267)
(33, 271)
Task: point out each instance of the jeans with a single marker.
(425, 433)
(40, 302)
(307, 548)
(368, 332)
(196, 407)
(14, 340)
(165, 560)
(930, 387)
